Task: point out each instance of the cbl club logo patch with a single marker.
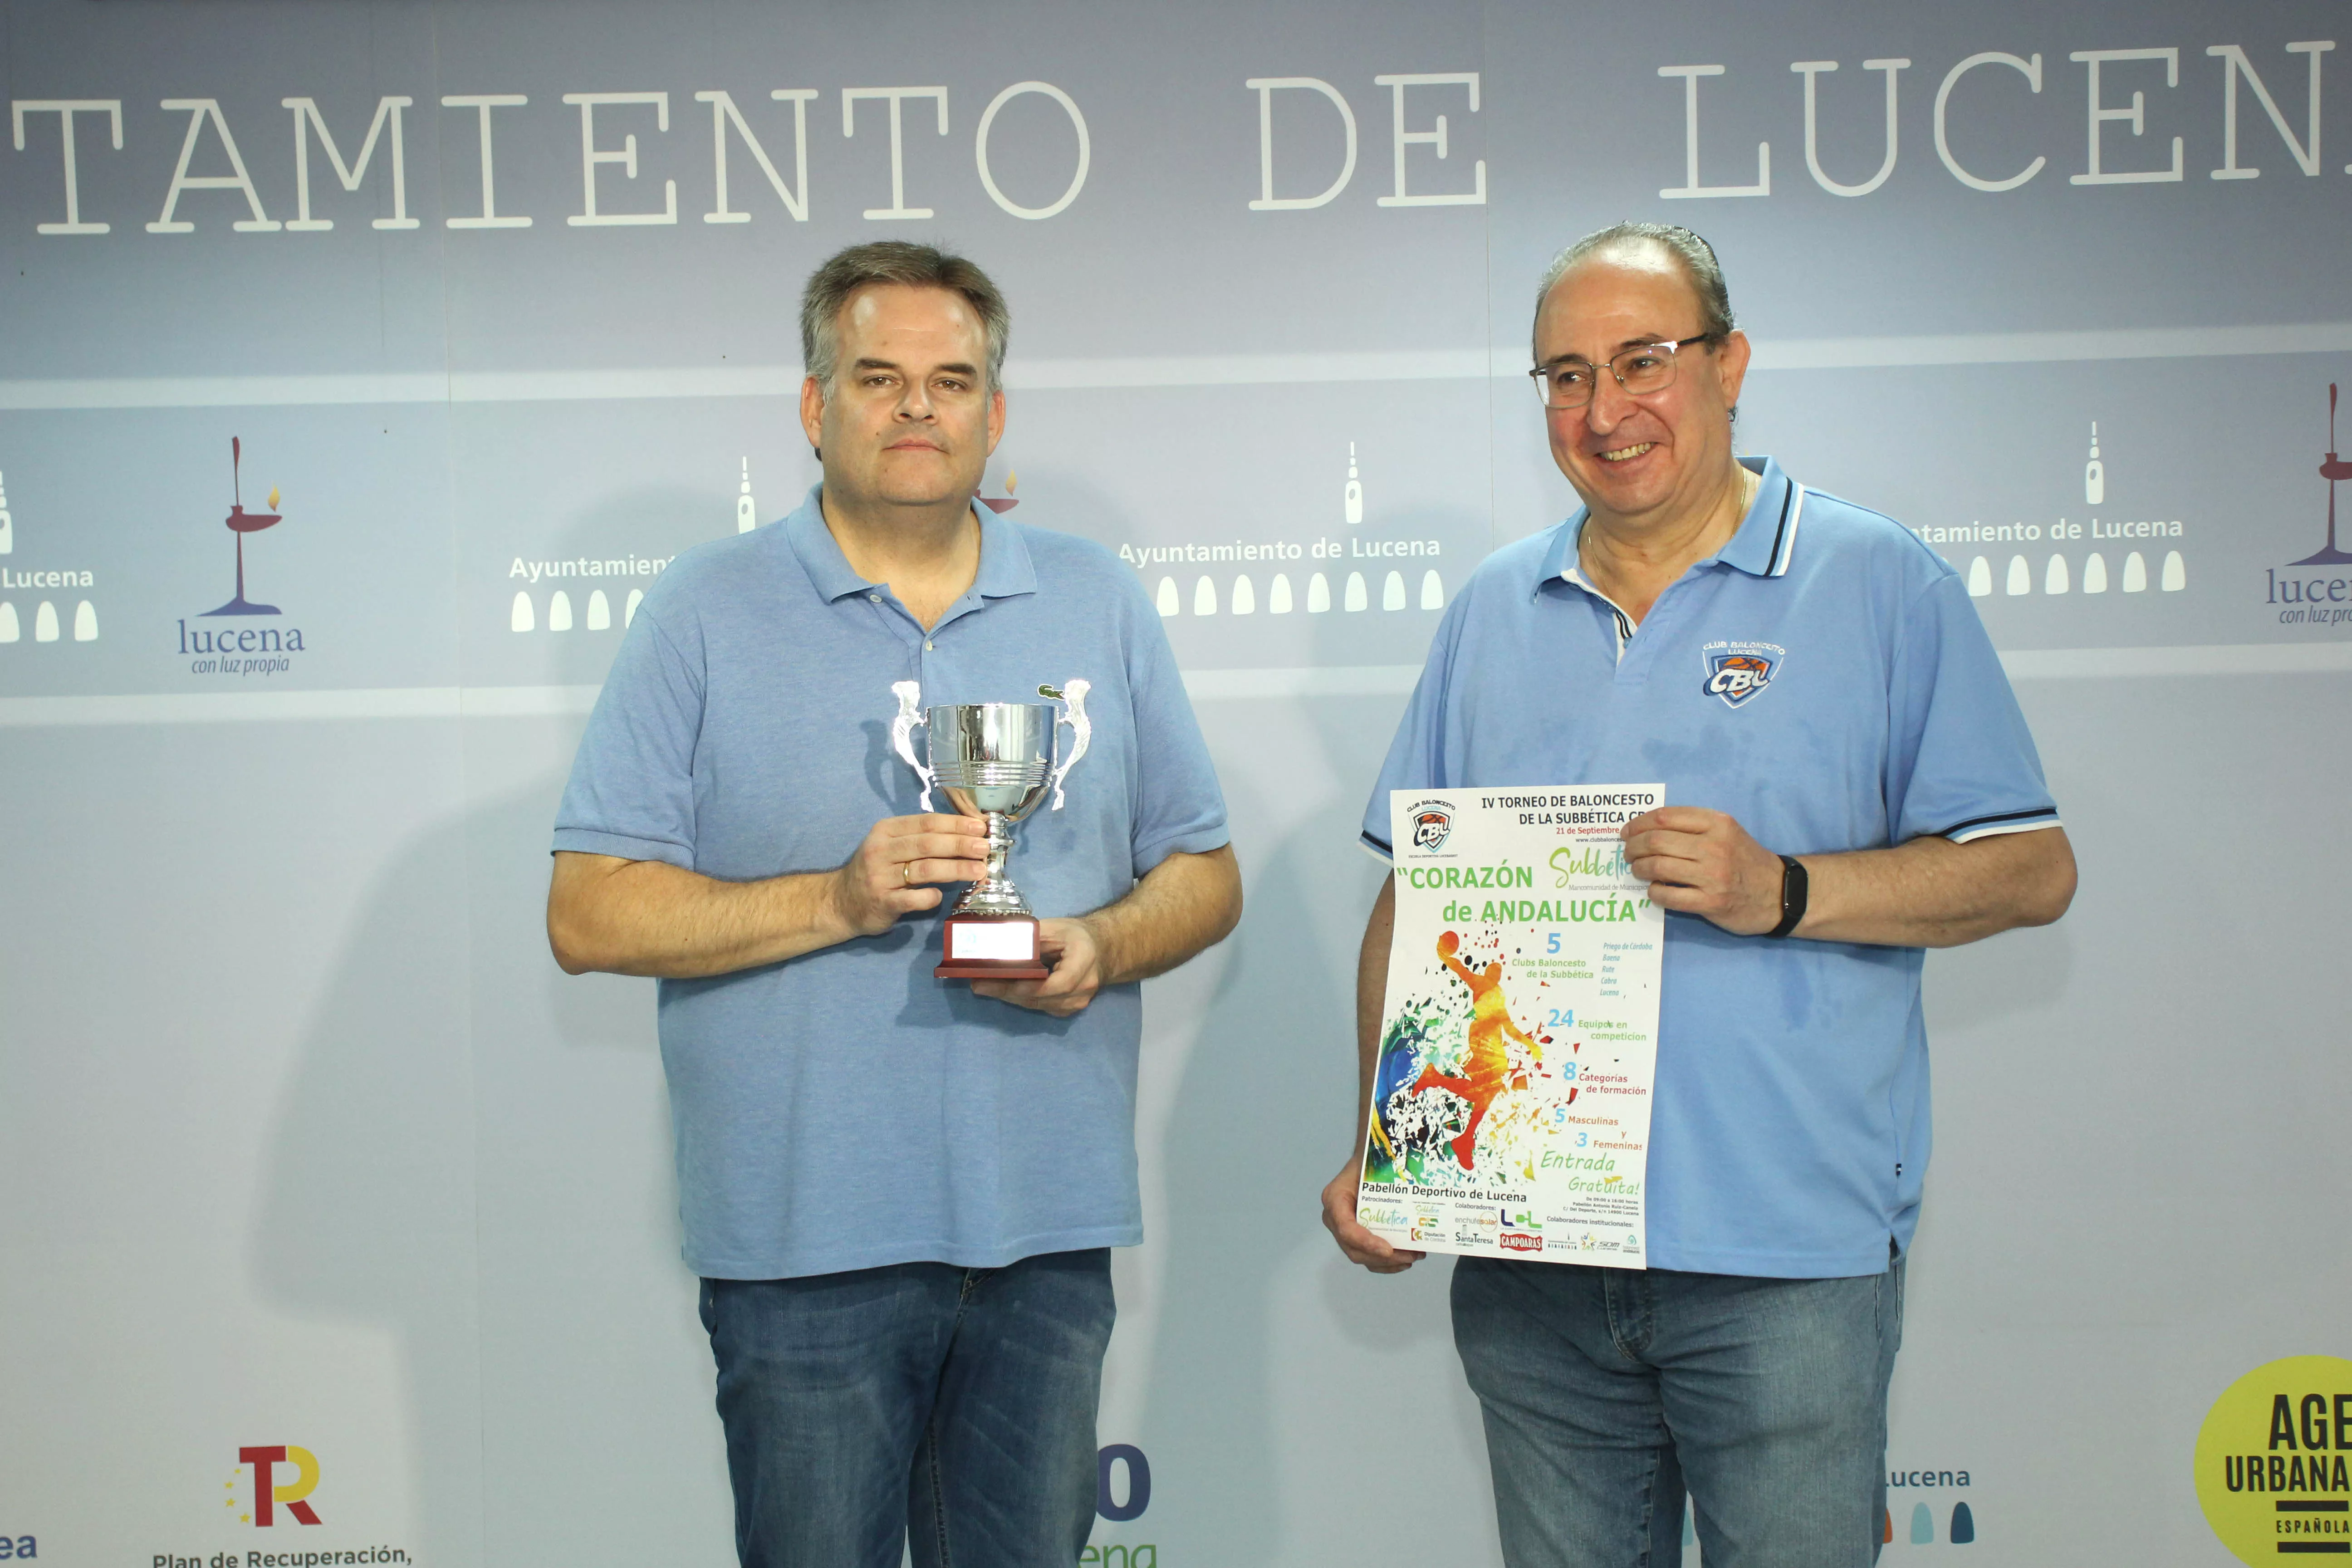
(1738, 671)
(1432, 821)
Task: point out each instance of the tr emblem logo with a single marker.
(268, 1491)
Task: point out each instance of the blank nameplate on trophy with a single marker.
(992, 939)
(996, 947)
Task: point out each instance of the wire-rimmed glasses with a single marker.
(1644, 368)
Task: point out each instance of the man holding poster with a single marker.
(1847, 781)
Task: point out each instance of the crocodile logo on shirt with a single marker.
(1740, 671)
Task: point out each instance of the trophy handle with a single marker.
(1073, 713)
(910, 714)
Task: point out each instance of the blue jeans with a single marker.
(948, 1411)
(1608, 1392)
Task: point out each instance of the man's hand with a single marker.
(1702, 862)
(1924, 892)
(1360, 1244)
(1183, 904)
(888, 875)
(1070, 946)
(647, 917)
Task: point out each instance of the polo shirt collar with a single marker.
(1005, 568)
(1767, 534)
(1761, 546)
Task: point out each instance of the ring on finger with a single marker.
(905, 873)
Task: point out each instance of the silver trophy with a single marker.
(996, 761)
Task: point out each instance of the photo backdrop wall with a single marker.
(337, 1219)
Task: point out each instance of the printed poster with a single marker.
(1519, 1040)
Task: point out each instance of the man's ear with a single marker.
(812, 414)
(1731, 365)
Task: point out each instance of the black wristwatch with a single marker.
(1794, 884)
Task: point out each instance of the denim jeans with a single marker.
(948, 1411)
(1606, 1392)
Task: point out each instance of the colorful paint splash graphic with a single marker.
(1446, 1061)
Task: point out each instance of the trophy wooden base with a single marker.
(991, 947)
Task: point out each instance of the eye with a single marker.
(1571, 376)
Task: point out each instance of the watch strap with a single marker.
(1794, 887)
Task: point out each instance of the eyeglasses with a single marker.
(1643, 369)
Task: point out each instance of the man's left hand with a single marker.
(1702, 862)
(1070, 947)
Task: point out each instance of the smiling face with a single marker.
(909, 421)
(1665, 456)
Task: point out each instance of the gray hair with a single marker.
(1695, 255)
(832, 285)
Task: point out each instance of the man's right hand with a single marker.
(889, 874)
(1360, 1244)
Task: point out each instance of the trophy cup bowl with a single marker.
(998, 762)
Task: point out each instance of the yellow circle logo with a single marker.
(2271, 1461)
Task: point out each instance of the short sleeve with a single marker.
(1417, 758)
(1179, 808)
(1961, 764)
(631, 794)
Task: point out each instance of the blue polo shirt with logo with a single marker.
(1825, 681)
(845, 1109)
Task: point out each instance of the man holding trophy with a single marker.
(905, 1142)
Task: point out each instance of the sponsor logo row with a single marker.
(251, 635)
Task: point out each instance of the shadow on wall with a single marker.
(366, 1212)
(473, 1156)
(1263, 1116)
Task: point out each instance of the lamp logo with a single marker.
(238, 647)
(2307, 590)
(269, 1493)
(242, 522)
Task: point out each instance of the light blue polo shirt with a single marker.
(1825, 681)
(843, 1110)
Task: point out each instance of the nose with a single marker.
(915, 401)
(1611, 403)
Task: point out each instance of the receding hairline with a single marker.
(1620, 245)
(954, 296)
(1635, 248)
